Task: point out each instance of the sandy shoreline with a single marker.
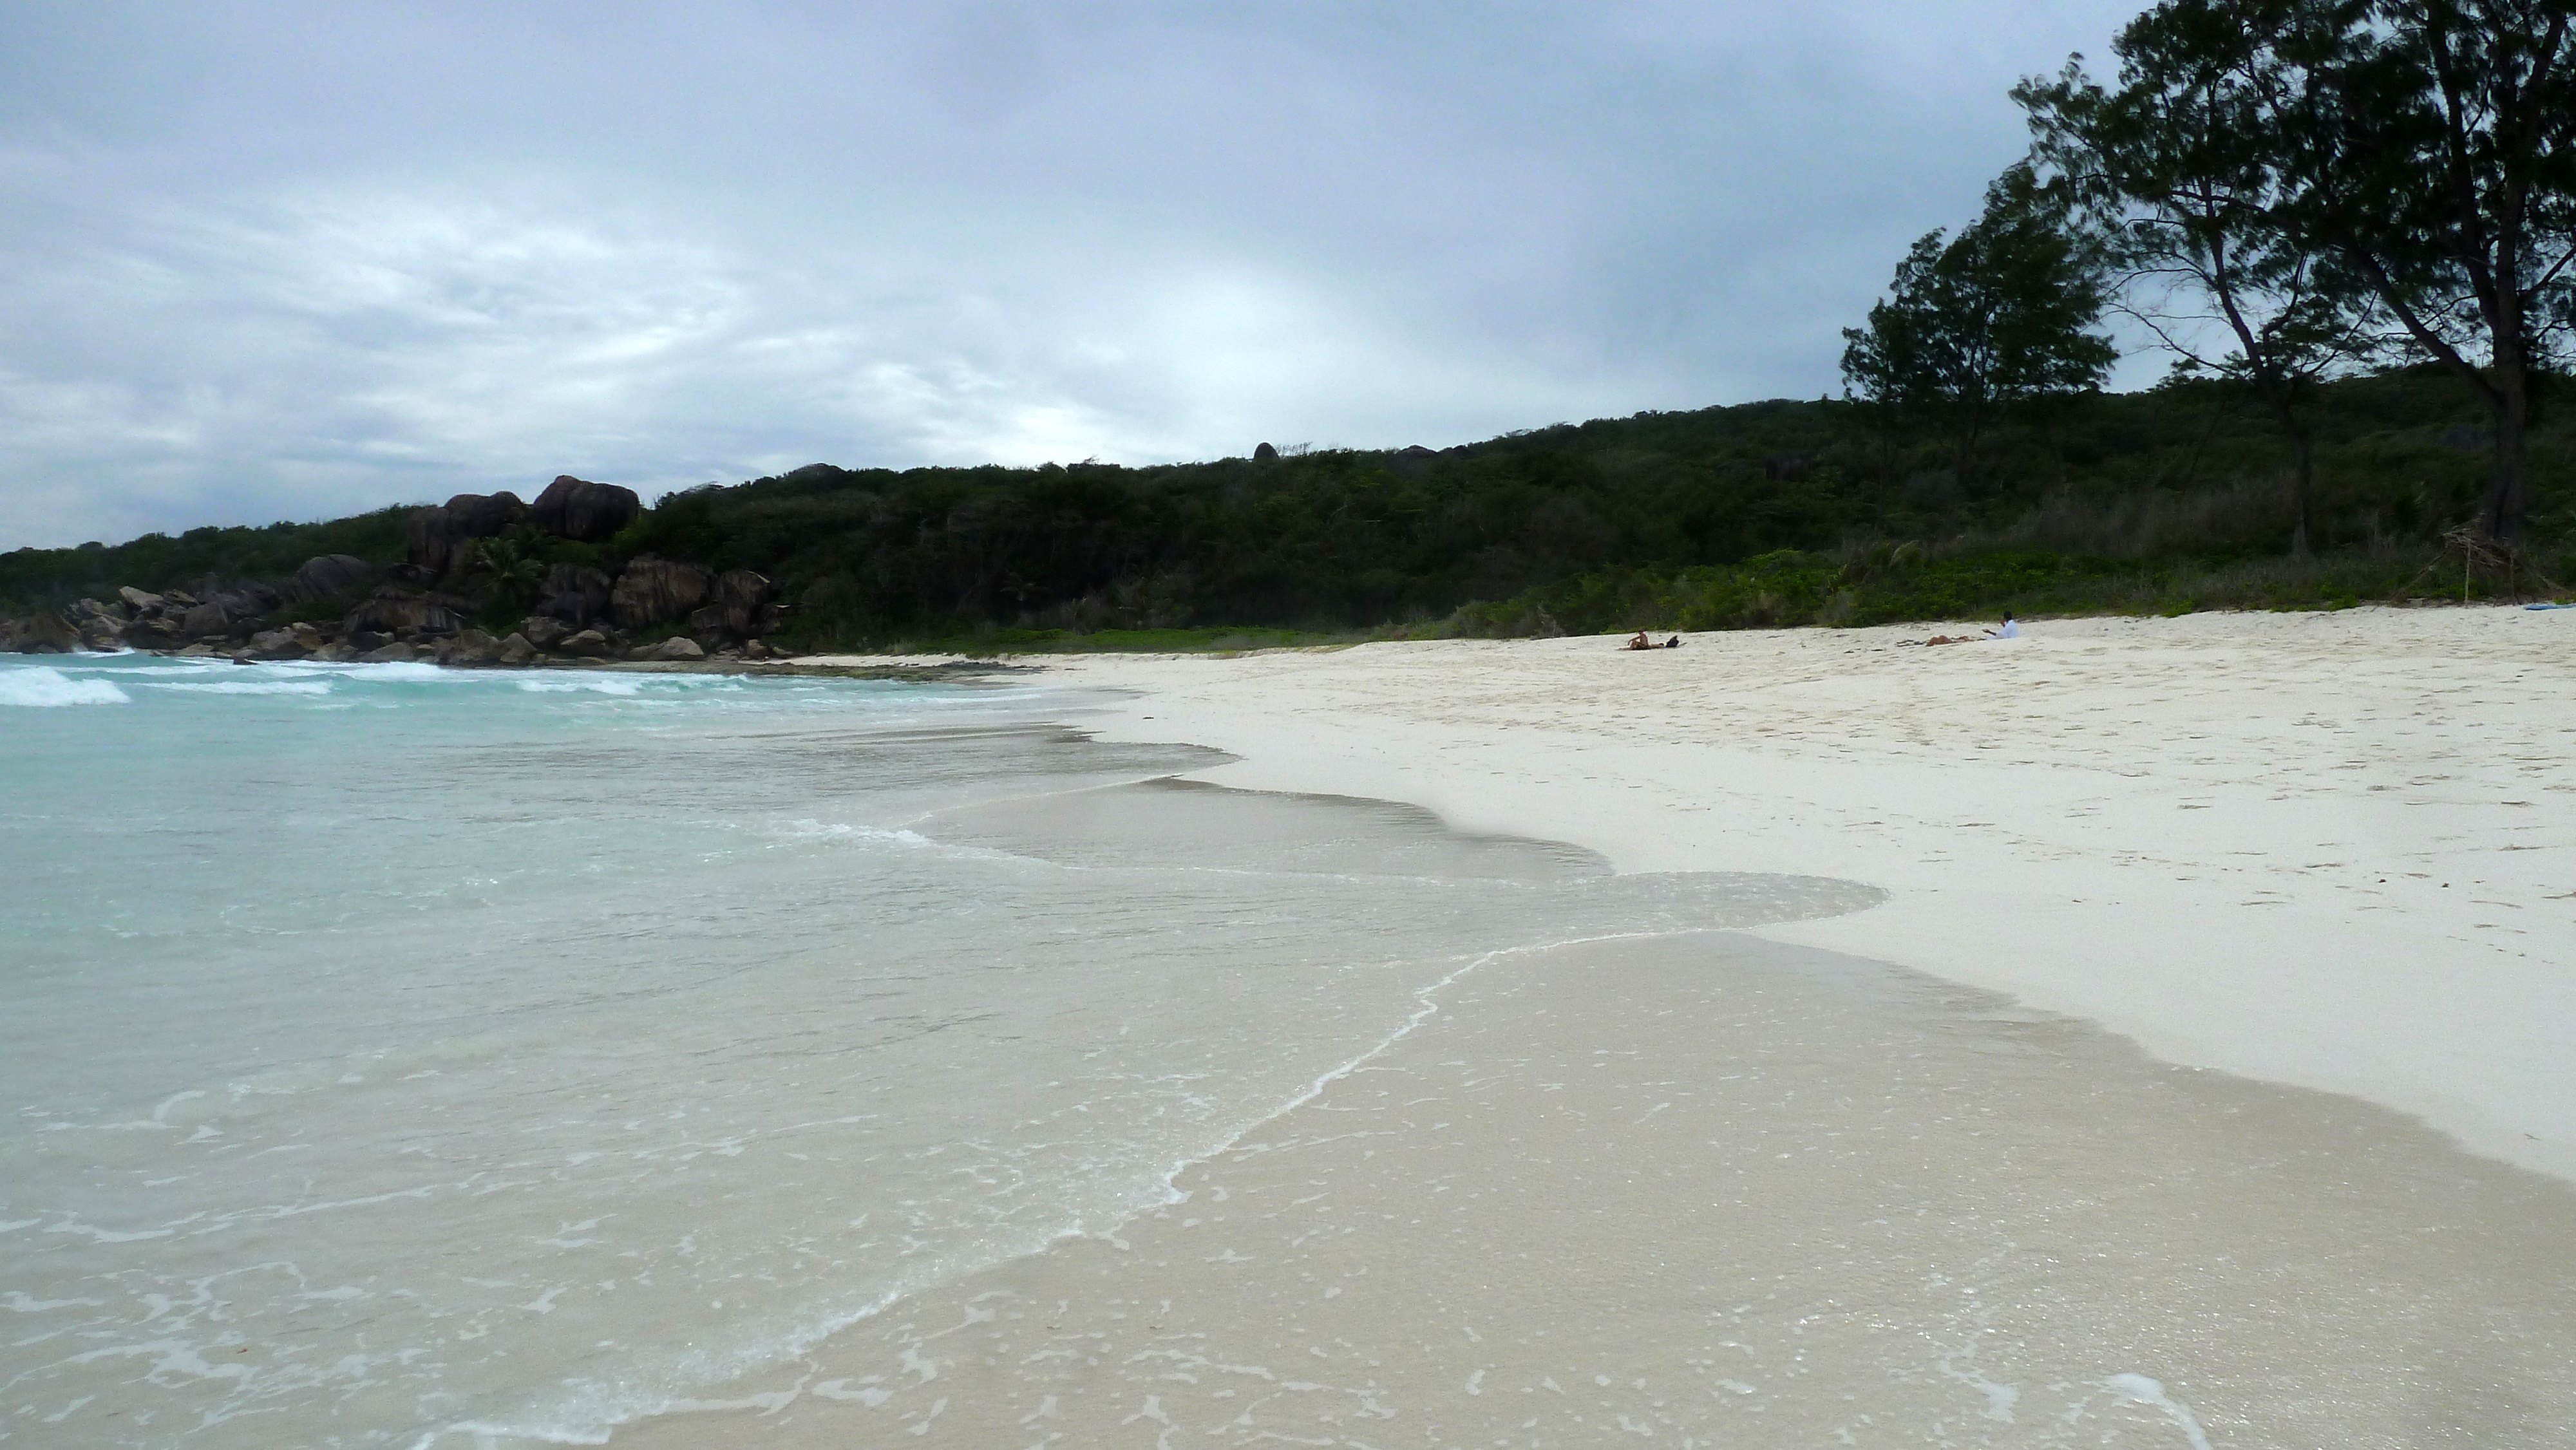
(2331, 850)
(1711, 1189)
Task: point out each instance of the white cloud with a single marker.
(317, 259)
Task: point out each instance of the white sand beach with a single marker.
(1709, 1189)
(2333, 850)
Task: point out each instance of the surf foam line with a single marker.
(47, 687)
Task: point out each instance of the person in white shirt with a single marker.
(2009, 630)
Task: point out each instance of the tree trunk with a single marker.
(2508, 492)
(2303, 474)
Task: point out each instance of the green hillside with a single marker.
(1764, 513)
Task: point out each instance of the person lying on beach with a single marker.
(2007, 630)
(1639, 641)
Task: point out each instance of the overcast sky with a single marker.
(296, 260)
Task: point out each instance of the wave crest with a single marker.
(44, 686)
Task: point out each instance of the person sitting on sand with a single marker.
(1639, 641)
(2008, 630)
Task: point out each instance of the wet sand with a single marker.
(1706, 1190)
(2336, 850)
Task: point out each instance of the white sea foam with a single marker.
(46, 686)
(2139, 1389)
(598, 684)
(244, 687)
(404, 671)
(840, 830)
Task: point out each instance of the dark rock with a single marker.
(328, 576)
(544, 631)
(590, 644)
(517, 651)
(393, 610)
(206, 621)
(436, 539)
(360, 641)
(734, 606)
(677, 647)
(391, 654)
(470, 647)
(576, 508)
(98, 625)
(178, 601)
(1264, 454)
(153, 631)
(657, 591)
(337, 652)
(247, 602)
(44, 633)
(575, 594)
(277, 644)
(139, 601)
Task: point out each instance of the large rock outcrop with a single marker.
(735, 606)
(43, 633)
(574, 593)
(392, 611)
(100, 626)
(328, 576)
(576, 508)
(225, 611)
(436, 539)
(656, 591)
(151, 631)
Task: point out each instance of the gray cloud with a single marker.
(336, 256)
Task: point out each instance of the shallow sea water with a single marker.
(396, 1056)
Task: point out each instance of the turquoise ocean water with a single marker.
(397, 1056)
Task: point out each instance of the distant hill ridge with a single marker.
(2140, 486)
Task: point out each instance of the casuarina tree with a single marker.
(2442, 150)
(2174, 165)
(1974, 324)
(2425, 151)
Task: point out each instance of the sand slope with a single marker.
(2336, 850)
